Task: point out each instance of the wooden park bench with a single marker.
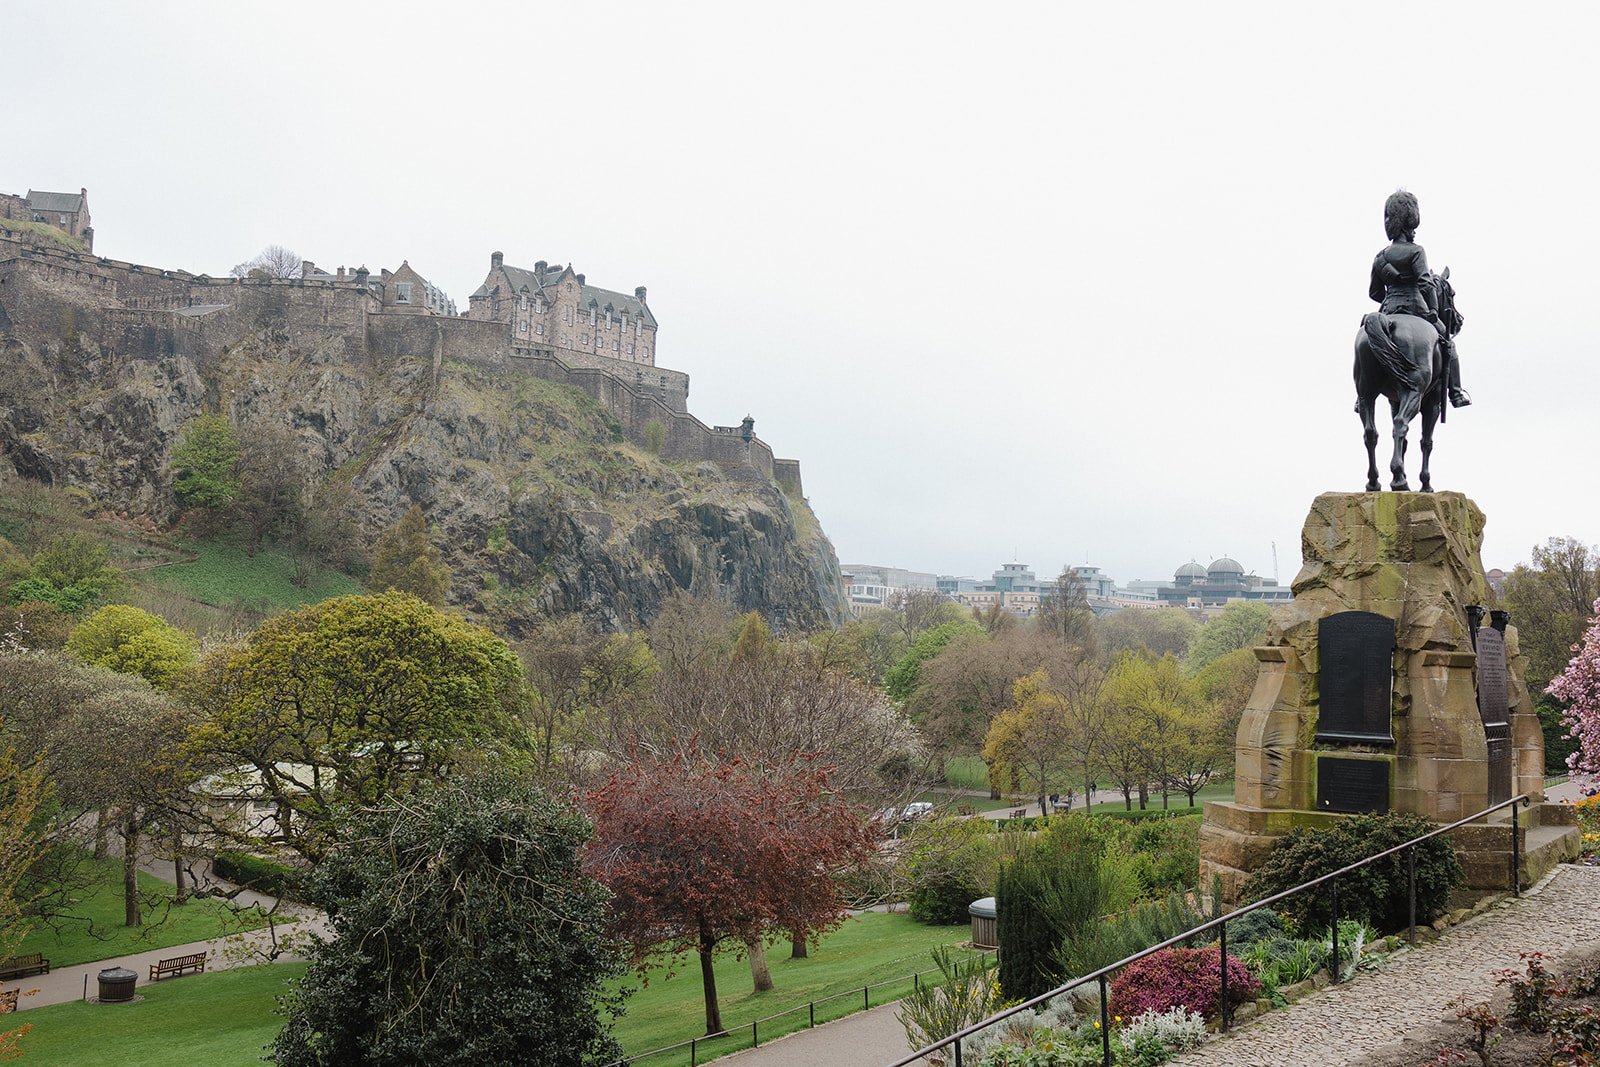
(1019, 813)
(22, 966)
(178, 966)
(8, 1001)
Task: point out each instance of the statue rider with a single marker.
(1403, 285)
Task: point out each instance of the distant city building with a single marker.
(1194, 586)
(1496, 579)
(868, 585)
(67, 212)
(1013, 588)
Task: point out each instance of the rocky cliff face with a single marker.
(540, 503)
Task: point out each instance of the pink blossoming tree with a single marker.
(1579, 688)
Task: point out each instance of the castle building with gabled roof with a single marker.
(555, 311)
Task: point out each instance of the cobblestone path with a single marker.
(1342, 1024)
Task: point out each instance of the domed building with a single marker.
(1225, 580)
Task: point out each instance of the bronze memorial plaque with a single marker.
(1352, 785)
(1494, 707)
(1355, 650)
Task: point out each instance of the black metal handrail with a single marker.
(1103, 975)
(810, 1008)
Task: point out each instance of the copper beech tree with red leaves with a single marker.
(698, 852)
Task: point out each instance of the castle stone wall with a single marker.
(145, 312)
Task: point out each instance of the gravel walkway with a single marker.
(1342, 1024)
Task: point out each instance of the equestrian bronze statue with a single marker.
(1406, 349)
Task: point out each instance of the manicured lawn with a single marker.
(226, 574)
(219, 1020)
(225, 1018)
(93, 930)
(966, 772)
(871, 948)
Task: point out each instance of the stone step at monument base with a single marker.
(1485, 852)
(1236, 839)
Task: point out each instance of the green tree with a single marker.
(755, 641)
(108, 745)
(203, 464)
(351, 700)
(1551, 601)
(407, 559)
(901, 679)
(465, 932)
(71, 572)
(271, 492)
(1031, 742)
(133, 641)
(1157, 630)
(1242, 624)
(1163, 715)
(1064, 611)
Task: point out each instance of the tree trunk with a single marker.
(1127, 797)
(708, 980)
(177, 866)
(101, 818)
(1144, 795)
(130, 870)
(797, 939)
(1191, 793)
(760, 976)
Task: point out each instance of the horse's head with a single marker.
(1446, 303)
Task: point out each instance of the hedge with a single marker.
(256, 872)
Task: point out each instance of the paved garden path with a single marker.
(868, 1037)
(1342, 1024)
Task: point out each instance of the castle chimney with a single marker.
(639, 292)
(582, 280)
(496, 259)
(541, 266)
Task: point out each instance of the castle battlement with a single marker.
(140, 311)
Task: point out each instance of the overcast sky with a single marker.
(1047, 282)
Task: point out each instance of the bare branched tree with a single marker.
(273, 261)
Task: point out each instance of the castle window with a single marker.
(583, 338)
(630, 348)
(522, 302)
(538, 328)
(616, 346)
(522, 327)
(569, 314)
(402, 292)
(594, 316)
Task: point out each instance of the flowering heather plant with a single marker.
(1181, 977)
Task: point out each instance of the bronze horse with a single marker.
(1400, 357)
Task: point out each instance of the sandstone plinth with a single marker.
(1413, 558)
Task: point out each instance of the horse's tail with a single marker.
(1379, 329)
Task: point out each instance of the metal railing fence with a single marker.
(1104, 974)
(810, 1008)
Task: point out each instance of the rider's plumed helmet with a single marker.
(1401, 215)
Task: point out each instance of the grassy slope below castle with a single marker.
(40, 233)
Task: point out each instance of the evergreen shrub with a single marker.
(1377, 893)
